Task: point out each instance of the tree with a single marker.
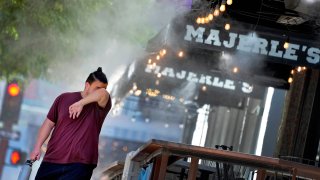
(36, 33)
(42, 37)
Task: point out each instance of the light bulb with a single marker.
(235, 70)
(286, 45)
(202, 20)
(180, 54)
(210, 17)
(229, 2)
(227, 26)
(206, 20)
(198, 20)
(138, 92)
(299, 69)
(216, 12)
(290, 80)
(222, 7)
(134, 86)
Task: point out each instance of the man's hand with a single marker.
(44, 133)
(75, 110)
(35, 154)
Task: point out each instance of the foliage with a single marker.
(47, 38)
(35, 33)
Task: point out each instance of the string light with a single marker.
(235, 70)
(206, 20)
(299, 69)
(138, 92)
(290, 80)
(222, 7)
(202, 20)
(227, 26)
(180, 54)
(154, 65)
(218, 7)
(286, 43)
(168, 97)
(158, 57)
(216, 11)
(204, 88)
(149, 61)
(164, 51)
(198, 20)
(152, 92)
(134, 87)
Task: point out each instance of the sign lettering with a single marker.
(209, 80)
(253, 44)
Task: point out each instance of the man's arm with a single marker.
(101, 96)
(44, 132)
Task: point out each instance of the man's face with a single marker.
(94, 86)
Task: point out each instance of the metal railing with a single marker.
(176, 161)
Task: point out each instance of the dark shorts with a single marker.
(72, 171)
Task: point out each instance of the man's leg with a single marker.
(78, 171)
(49, 171)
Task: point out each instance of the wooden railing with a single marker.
(164, 154)
(113, 171)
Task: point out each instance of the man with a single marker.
(75, 120)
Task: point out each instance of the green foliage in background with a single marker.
(34, 32)
(38, 35)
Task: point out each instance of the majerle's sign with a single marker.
(209, 80)
(295, 54)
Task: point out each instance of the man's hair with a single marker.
(97, 75)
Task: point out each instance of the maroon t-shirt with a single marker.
(75, 140)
